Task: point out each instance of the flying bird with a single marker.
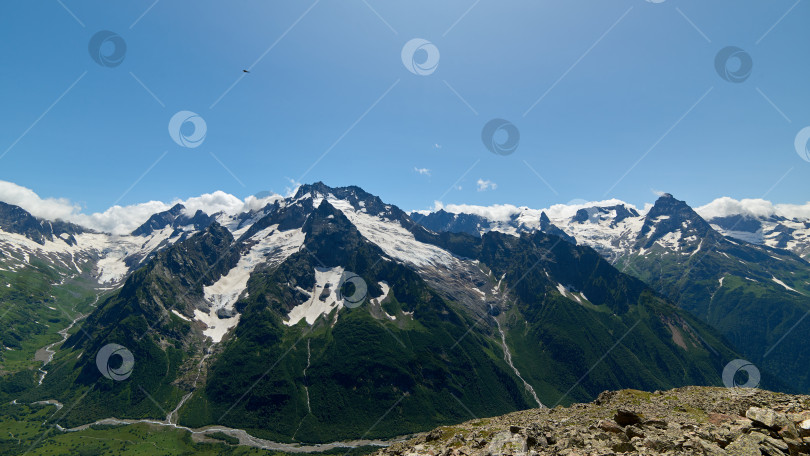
(245, 71)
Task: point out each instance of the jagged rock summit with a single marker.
(683, 421)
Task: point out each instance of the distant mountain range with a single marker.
(747, 276)
(331, 314)
(604, 225)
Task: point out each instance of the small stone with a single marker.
(742, 426)
(604, 397)
(760, 431)
(793, 444)
(789, 431)
(633, 431)
(660, 424)
(626, 417)
(535, 441)
(799, 417)
(776, 443)
(224, 313)
(435, 434)
(711, 449)
(770, 449)
(610, 426)
(746, 445)
(657, 444)
(507, 443)
(515, 429)
(623, 447)
(766, 417)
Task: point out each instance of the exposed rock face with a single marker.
(691, 421)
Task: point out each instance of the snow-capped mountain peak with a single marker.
(674, 225)
(177, 218)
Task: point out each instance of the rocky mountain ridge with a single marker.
(683, 421)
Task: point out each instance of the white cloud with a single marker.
(794, 211)
(254, 202)
(290, 191)
(51, 208)
(116, 219)
(219, 201)
(484, 185)
(123, 219)
(212, 203)
(437, 146)
(422, 171)
(725, 206)
(497, 212)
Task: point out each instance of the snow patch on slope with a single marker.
(182, 317)
(323, 300)
(385, 289)
(396, 241)
(272, 247)
(784, 285)
(111, 250)
(115, 250)
(111, 269)
(216, 327)
(566, 292)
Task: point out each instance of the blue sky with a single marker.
(616, 81)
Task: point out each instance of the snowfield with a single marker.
(271, 247)
(322, 300)
(396, 241)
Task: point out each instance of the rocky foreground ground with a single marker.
(689, 421)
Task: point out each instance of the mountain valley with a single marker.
(331, 316)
